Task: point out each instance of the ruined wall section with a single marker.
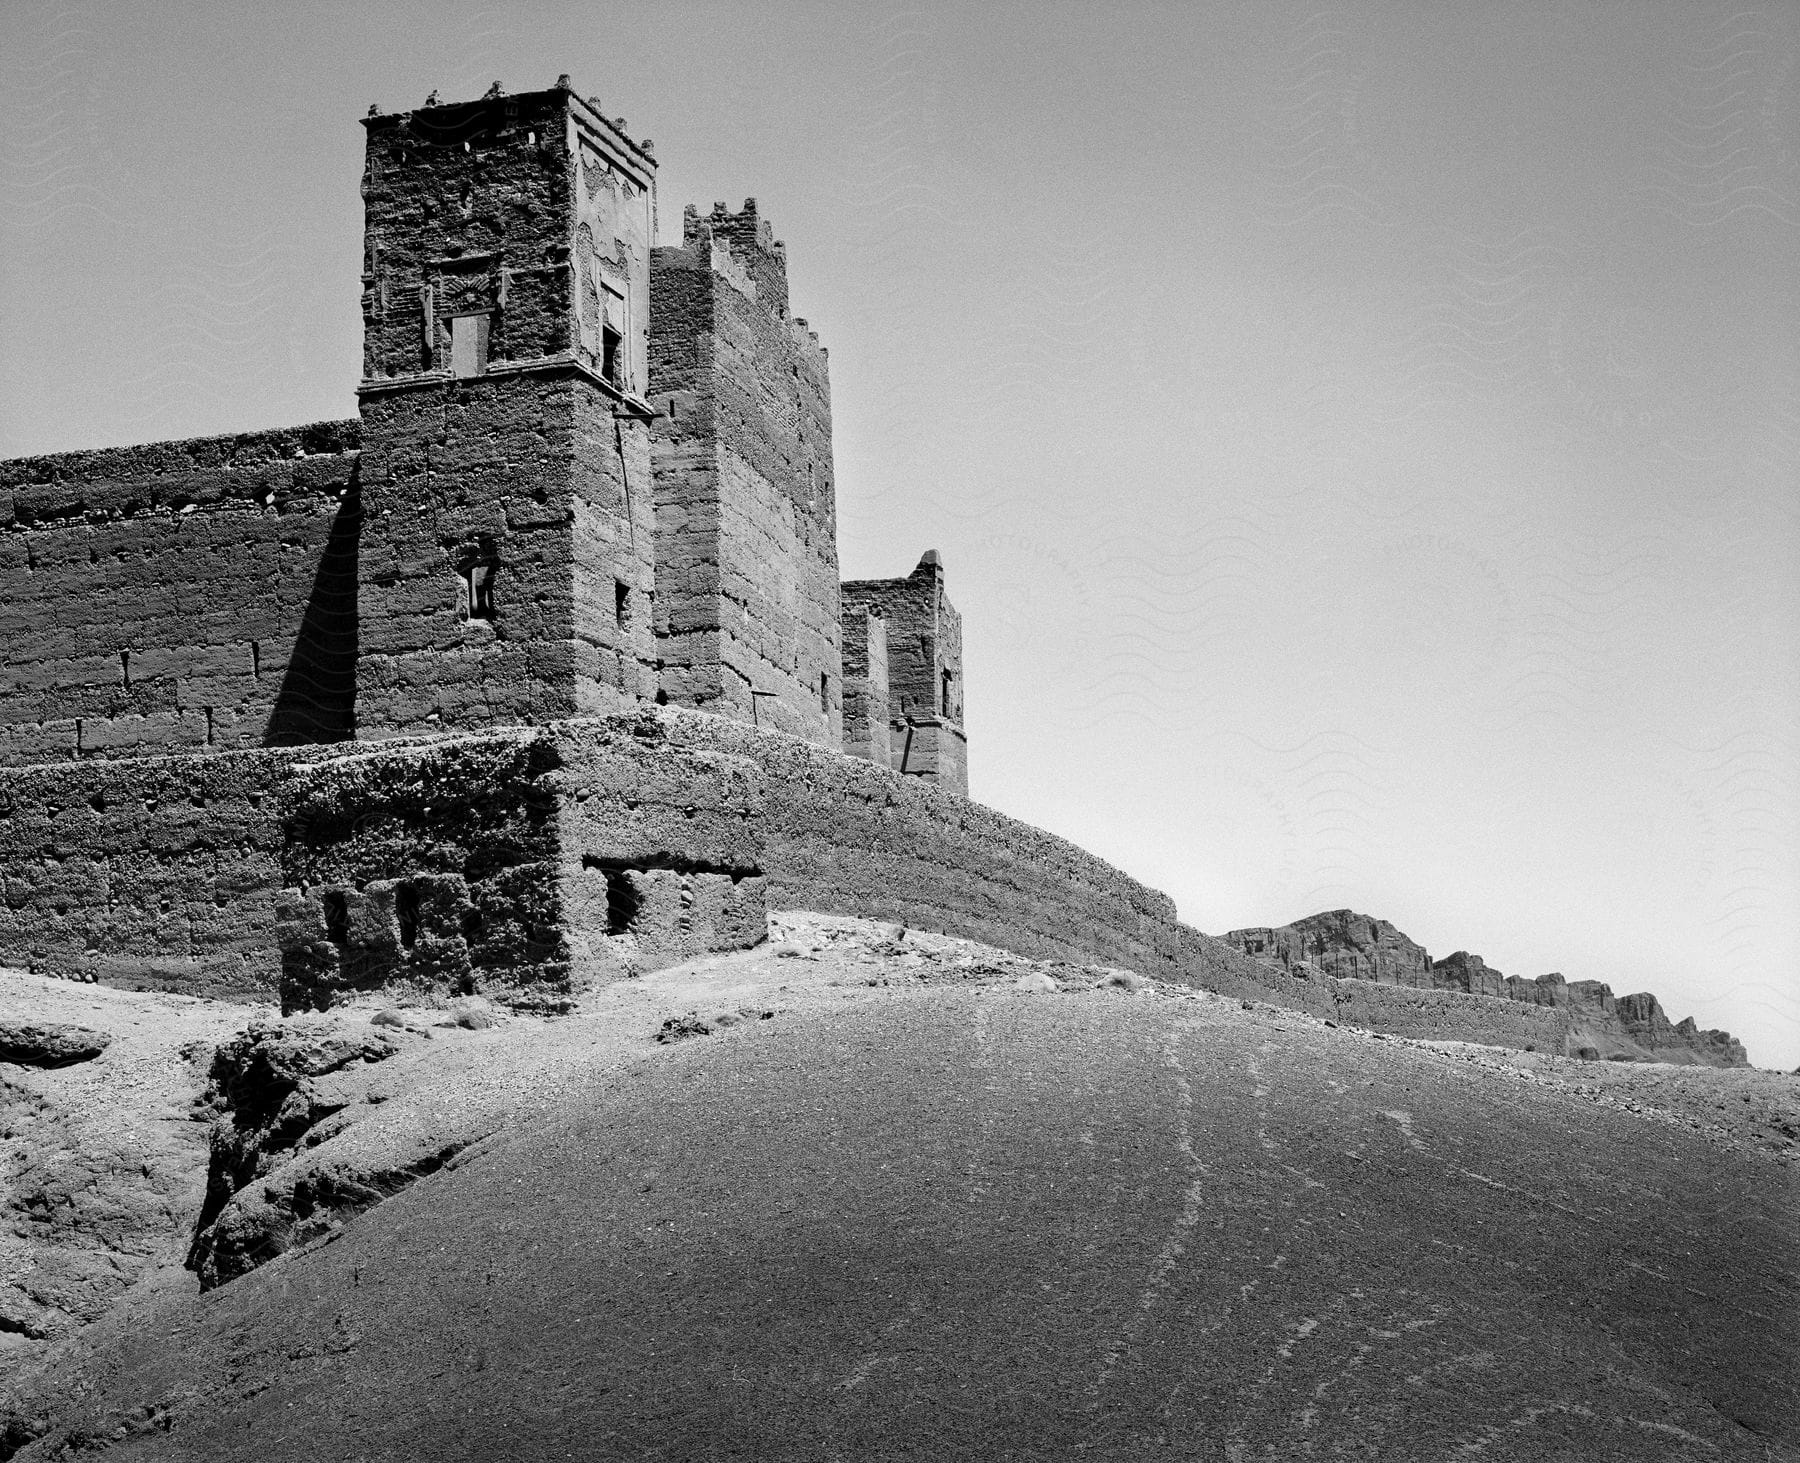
(180, 595)
(747, 519)
(506, 458)
(432, 866)
(924, 671)
(523, 864)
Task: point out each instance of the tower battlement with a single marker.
(751, 240)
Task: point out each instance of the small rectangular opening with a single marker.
(610, 340)
(825, 692)
(337, 917)
(481, 590)
(613, 330)
(621, 902)
(468, 345)
(946, 705)
(621, 604)
(406, 911)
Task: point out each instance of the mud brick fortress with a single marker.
(538, 672)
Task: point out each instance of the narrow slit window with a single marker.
(337, 917)
(621, 604)
(481, 590)
(406, 914)
(946, 706)
(469, 345)
(825, 692)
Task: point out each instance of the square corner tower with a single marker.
(507, 563)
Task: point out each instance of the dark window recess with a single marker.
(337, 917)
(621, 902)
(610, 363)
(481, 590)
(825, 692)
(615, 326)
(406, 912)
(946, 693)
(621, 604)
(125, 667)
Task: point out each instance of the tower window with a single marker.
(946, 705)
(825, 692)
(468, 345)
(613, 330)
(481, 590)
(621, 604)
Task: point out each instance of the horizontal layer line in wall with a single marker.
(670, 862)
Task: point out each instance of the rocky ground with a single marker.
(869, 1192)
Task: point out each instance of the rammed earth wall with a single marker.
(530, 862)
(747, 571)
(154, 873)
(525, 864)
(844, 836)
(179, 596)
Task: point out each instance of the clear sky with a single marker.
(1363, 439)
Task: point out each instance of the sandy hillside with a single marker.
(853, 1196)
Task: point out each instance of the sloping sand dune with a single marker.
(924, 1210)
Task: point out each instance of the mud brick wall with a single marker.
(434, 864)
(534, 476)
(179, 595)
(154, 873)
(662, 847)
(747, 579)
(523, 864)
(844, 836)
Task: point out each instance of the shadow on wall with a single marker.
(317, 699)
